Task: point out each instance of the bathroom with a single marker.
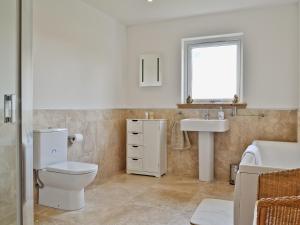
(78, 67)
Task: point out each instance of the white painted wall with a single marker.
(80, 59)
(271, 55)
(79, 56)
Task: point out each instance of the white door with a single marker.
(9, 121)
(151, 146)
(16, 194)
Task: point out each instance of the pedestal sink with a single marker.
(205, 129)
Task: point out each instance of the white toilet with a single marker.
(62, 182)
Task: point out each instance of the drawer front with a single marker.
(135, 151)
(135, 126)
(134, 138)
(135, 164)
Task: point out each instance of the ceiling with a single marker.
(131, 12)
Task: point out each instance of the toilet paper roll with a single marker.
(76, 138)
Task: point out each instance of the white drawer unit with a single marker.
(135, 126)
(134, 138)
(135, 151)
(135, 164)
(147, 147)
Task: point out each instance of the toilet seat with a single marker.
(72, 168)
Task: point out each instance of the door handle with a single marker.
(10, 108)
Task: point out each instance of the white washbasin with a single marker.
(206, 130)
(204, 125)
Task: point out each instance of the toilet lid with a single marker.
(72, 168)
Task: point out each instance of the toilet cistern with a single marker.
(206, 128)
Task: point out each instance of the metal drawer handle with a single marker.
(135, 159)
(10, 108)
(134, 120)
(134, 133)
(135, 146)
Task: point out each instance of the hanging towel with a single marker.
(179, 139)
(254, 153)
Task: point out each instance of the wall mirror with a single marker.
(150, 70)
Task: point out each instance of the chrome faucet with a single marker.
(206, 115)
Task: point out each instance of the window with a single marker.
(212, 68)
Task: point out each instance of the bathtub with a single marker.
(260, 157)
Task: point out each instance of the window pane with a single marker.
(214, 72)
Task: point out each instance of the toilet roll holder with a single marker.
(72, 139)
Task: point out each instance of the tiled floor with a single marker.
(138, 200)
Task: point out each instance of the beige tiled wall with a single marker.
(229, 146)
(103, 131)
(105, 136)
(298, 130)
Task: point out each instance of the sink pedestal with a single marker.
(206, 156)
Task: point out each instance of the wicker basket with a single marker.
(279, 198)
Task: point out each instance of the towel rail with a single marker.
(262, 115)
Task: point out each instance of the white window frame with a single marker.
(189, 43)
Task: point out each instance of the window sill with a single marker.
(224, 105)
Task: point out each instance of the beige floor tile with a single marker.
(138, 200)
